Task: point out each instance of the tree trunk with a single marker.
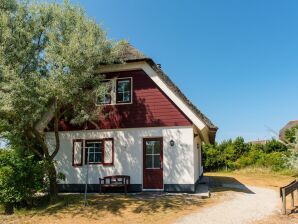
(8, 207)
(52, 174)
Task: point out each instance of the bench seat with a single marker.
(114, 181)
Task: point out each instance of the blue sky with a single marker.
(236, 60)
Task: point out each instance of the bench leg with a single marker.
(125, 189)
(102, 189)
(284, 206)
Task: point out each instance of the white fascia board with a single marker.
(155, 77)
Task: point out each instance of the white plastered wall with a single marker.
(178, 160)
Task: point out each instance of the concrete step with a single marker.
(202, 189)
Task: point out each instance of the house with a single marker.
(288, 126)
(148, 130)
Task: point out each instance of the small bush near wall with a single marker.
(237, 154)
(21, 176)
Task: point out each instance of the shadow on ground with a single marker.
(221, 183)
(100, 205)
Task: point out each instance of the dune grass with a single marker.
(263, 177)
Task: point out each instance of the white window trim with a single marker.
(88, 152)
(114, 92)
(112, 86)
(131, 91)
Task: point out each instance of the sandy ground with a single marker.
(232, 201)
(111, 209)
(243, 208)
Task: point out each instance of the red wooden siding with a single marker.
(150, 107)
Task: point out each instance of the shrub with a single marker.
(238, 154)
(292, 159)
(20, 177)
(276, 161)
(212, 157)
(274, 146)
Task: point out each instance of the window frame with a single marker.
(117, 102)
(102, 140)
(111, 93)
(160, 139)
(86, 151)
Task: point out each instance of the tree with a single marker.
(49, 54)
(290, 134)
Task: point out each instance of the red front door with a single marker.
(152, 163)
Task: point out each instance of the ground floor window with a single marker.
(99, 151)
(94, 151)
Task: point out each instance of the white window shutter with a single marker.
(108, 152)
(77, 157)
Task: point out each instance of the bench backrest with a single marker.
(117, 179)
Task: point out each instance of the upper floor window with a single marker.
(123, 91)
(105, 98)
(116, 91)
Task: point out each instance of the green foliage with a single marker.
(20, 176)
(212, 157)
(257, 158)
(238, 154)
(50, 55)
(274, 146)
(290, 134)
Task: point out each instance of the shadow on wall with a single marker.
(220, 184)
(178, 162)
(138, 114)
(128, 156)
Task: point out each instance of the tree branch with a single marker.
(41, 141)
(32, 148)
(56, 131)
(46, 117)
(96, 125)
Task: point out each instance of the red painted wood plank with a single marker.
(150, 107)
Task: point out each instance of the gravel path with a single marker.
(243, 208)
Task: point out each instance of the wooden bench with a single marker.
(114, 181)
(286, 190)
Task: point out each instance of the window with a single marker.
(123, 88)
(94, 151)
(99, 151)
(117, 91)
(153, 154)
(106, 97)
